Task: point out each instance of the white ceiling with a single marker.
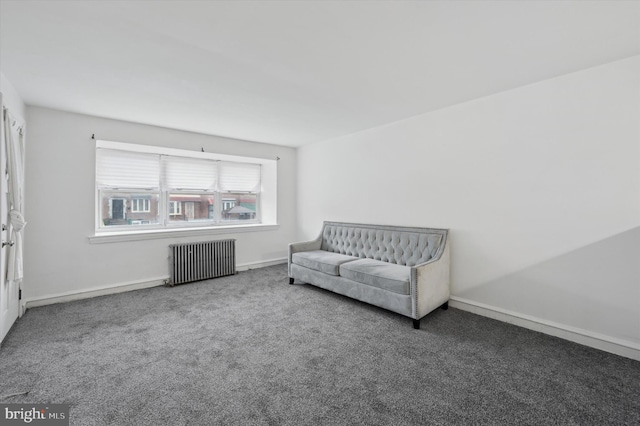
(293, 73)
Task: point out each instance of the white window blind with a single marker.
(189, 173)
(239, 177)
(122, 169)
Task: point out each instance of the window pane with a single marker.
(190, 207)
(238, 207)
(121, 169)
(189, 173)
(140, 204)
(120, 208)
(239, 177)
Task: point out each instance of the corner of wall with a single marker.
(12, 99)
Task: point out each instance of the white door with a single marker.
(189, 210)
(9, 292)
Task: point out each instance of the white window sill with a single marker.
(155, 234)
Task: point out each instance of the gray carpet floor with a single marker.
(252, 350)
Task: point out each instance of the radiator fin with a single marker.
(202, 260)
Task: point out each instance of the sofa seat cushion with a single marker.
(387, 276)
(323, 261)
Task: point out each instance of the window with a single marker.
(175, 207)
(191, 187)
(240, 186)
(119, 207)
(141, 205)
(121, 178)
(242, 207)
(152, 187)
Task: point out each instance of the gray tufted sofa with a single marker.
(404, 270)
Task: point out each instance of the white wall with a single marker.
(60, 199)
(521, 178)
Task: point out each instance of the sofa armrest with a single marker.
(430, 283)
(303, 246)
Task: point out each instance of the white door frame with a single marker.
(9, 290)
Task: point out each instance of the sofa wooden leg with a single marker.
(416, 324)
(290, 280)
(445, 305)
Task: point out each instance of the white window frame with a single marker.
(135, 205)
(267, 192)
(177, 210)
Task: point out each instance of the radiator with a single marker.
(200, 261)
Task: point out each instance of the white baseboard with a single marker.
(128, 286)
(260, 264)
(592, 339)
(94, 292)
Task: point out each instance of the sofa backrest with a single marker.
(393, 244)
